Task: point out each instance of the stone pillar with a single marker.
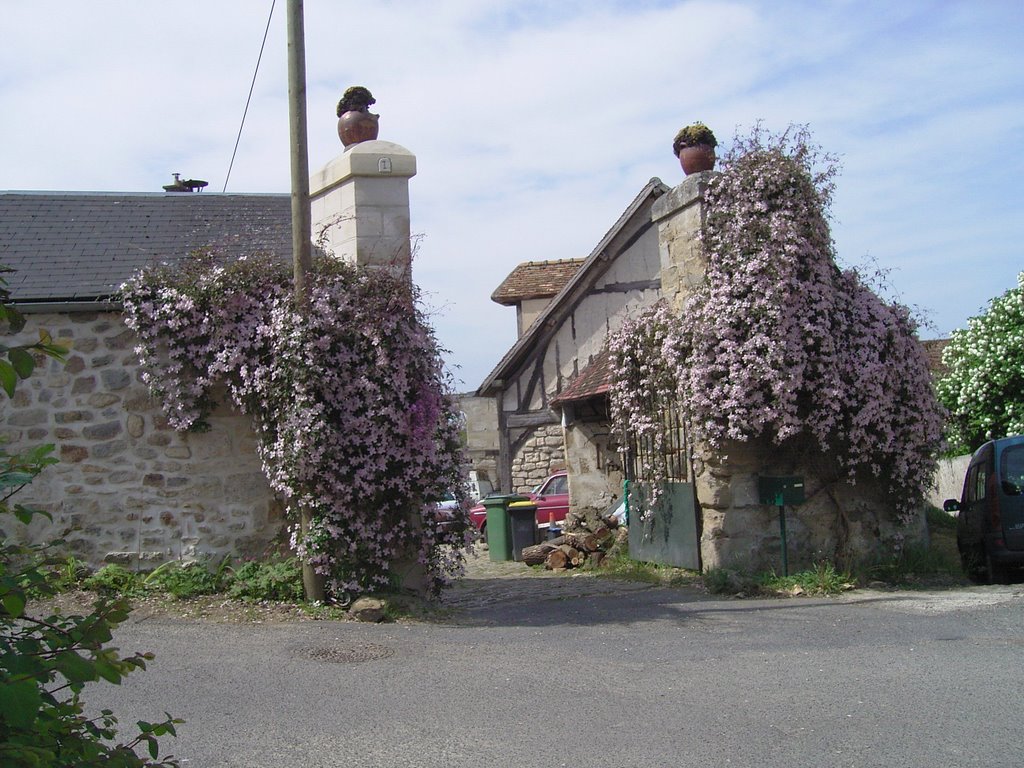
(679, 215)
(839, 520)
(360, 206)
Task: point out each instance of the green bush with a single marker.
(46, 661)
(274, 580)
(984, 386)
(185, 580)
(115, 580)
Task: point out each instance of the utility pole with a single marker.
(312, 582)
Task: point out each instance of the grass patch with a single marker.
(276, 580)
(620, 565)
(823, 579)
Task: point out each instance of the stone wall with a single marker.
(130, 488)
(839, 522)
(482, 442)
(949, 480)
(542, 453)
(594, 464)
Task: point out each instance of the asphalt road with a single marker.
(634, 677)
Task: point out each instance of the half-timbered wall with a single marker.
(630, 283)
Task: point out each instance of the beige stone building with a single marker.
(551, 387)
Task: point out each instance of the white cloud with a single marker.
(536, 123)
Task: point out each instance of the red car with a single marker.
(551, 497)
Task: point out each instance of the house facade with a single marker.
(565, 310)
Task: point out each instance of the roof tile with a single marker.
(536, 280)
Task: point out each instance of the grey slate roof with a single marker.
(80, 246)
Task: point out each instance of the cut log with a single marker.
(573, 556)
(537, 554)
(602, 535)
(588, 542)
(556, 560)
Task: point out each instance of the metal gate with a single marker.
(663, 521)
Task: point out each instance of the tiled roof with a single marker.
(536, 280)
(592, 381)
(80, 246)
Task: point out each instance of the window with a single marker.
(1012, 466)
(558, 484)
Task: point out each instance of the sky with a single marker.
(536, 123)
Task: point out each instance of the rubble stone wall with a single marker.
(541, 454)
(128, 487)
(839, 521)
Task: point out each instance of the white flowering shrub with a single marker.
(984, 388)
(778, 341)
(349, 400)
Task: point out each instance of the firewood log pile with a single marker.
(587, 539)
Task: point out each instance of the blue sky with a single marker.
(535, 123)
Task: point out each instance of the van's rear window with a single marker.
(1012, 468)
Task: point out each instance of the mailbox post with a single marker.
(781, 491)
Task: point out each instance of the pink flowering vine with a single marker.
(349, 400)
(778, 341)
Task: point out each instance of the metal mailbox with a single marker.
(781, 490)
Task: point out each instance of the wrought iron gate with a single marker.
(663, 520)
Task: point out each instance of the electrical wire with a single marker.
(249, 97)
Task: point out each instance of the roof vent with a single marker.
(185, 185)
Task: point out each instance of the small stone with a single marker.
(114, 379)
(73, 453)
(87, 344)
(84, 385)
(369, 609)
(28, 418)
(136, 425)
(106, 450)
(121, 341)
(102, 431)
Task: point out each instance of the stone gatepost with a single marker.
(678, 215)
(359, 205)
(839, 520)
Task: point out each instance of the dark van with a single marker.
(990, 526)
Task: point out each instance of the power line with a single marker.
(249, 98)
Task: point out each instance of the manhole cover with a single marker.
(347, 654)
